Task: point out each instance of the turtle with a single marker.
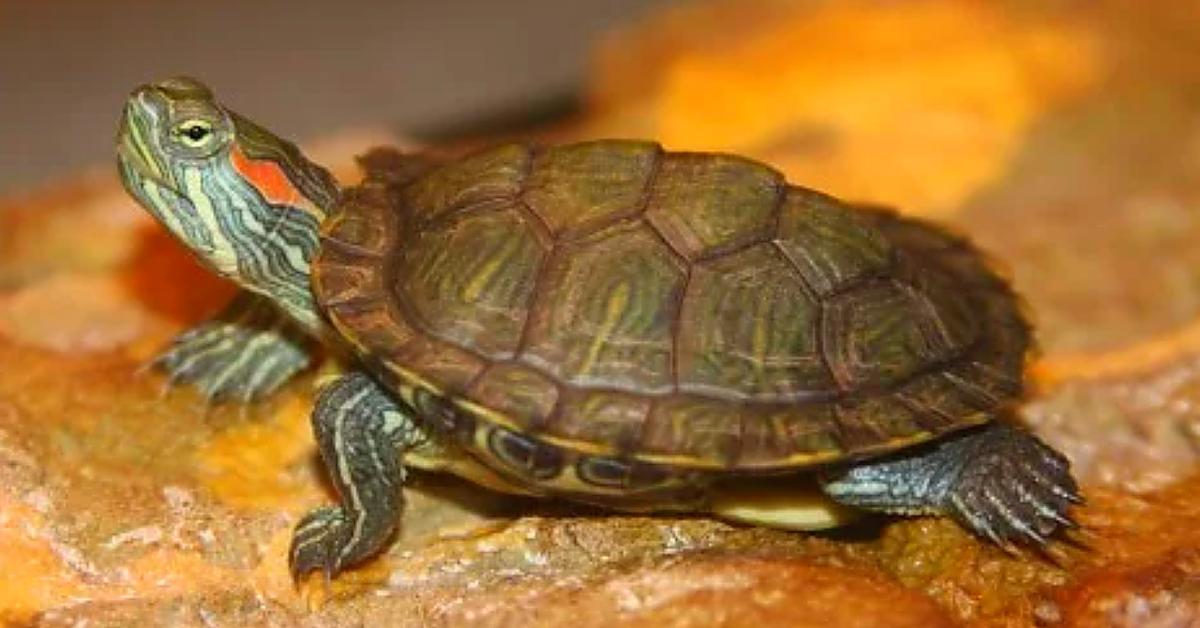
(606, 322)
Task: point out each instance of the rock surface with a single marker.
(1066, 141)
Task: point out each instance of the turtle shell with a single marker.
(612, 299)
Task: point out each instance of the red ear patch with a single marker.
(267, 177)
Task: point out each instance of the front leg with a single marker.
(998, 481)
(361, 432)
(246, 352)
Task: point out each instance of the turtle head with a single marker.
(245, 202)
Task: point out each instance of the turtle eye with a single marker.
(194, 133)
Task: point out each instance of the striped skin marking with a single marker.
(366, 439)
(245, 352)
(251, 349)
(248, 203)
(223, 255)
(342, 466)
(169, 218)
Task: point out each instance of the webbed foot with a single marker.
(245, 353)
(998, 481)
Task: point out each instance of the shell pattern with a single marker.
(622, 311)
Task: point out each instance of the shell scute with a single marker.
(490, 174)
(610, 419)
(579, 187)
(359, 228)
(696, 428)
(470, 282)
(610, 325)
(704, 204)
(940, 401)
(865, 423)
(749, 329)
(516, 391)
(450, 366)
(831, 247)
(880, 333)
(792, 434)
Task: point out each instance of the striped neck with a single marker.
(248, 205)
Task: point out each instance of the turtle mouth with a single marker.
(135, 148)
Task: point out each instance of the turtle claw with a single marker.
(318, 544)
(1015, 489)
(230, 361)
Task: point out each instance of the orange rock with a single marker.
(711, 590)
(38, 571)
(247, 465)
(73, 314)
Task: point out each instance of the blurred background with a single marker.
(306, 67)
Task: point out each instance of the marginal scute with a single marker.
(939, 401)
(370, 327)
(358, 225)
(704, 203)
(1003, 348)
(579, 186)
(494, 173)
(987, 380)
(749, 330)
(831, 246)
(866, 423)
(611, 418)
(706, 431)
(520, 393)
(470, 282)
(601, 324)
(348, 284)
(450, 366)
(778, 433)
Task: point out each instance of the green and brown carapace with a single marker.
(606, 322)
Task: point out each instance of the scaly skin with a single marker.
(249, 206)
(362, 434)
(999, 481)
(244, 353)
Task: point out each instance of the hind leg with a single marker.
(1000, 482)
(244, 353)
